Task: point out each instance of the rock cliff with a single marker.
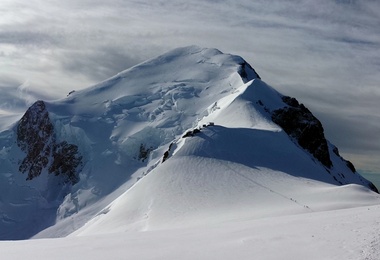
(36, 137)
(304, 128)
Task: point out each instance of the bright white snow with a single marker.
(339, 234)
(240, 188)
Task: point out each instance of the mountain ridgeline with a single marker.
(73, 154)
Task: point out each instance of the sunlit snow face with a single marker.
(324, 53)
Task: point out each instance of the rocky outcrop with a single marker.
(191, 133)
(243, 71)
(36, 137)
(348, 163)
(144, 152)
(304, 128)
(66, 160)
(167, 153)
(352, 168)
(307, 131)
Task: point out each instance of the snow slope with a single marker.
(215, 177)
(153, 161)
(339, 234)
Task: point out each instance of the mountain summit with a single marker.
(168, 143)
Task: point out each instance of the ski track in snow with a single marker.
(371, 251)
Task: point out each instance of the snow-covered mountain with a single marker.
(190, 138)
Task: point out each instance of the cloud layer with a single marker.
(325, 53)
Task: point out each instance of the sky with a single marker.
(324, 53)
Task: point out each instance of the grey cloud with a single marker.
(23, 37)
(17, 99)
(98, 64)
(352, 134)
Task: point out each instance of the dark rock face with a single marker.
(300, 124)
(66, 161)
(167, 153)
(191, 133)
(36, 137)
(306, 130)
(144, 152)
(34, 134)
(348, 163)
(373, 187)
(243, 71)
(352, 168)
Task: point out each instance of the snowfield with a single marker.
(338, 234)
(182, 160)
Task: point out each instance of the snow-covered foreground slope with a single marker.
(215, 177)
(339, 234)
(190, 139)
